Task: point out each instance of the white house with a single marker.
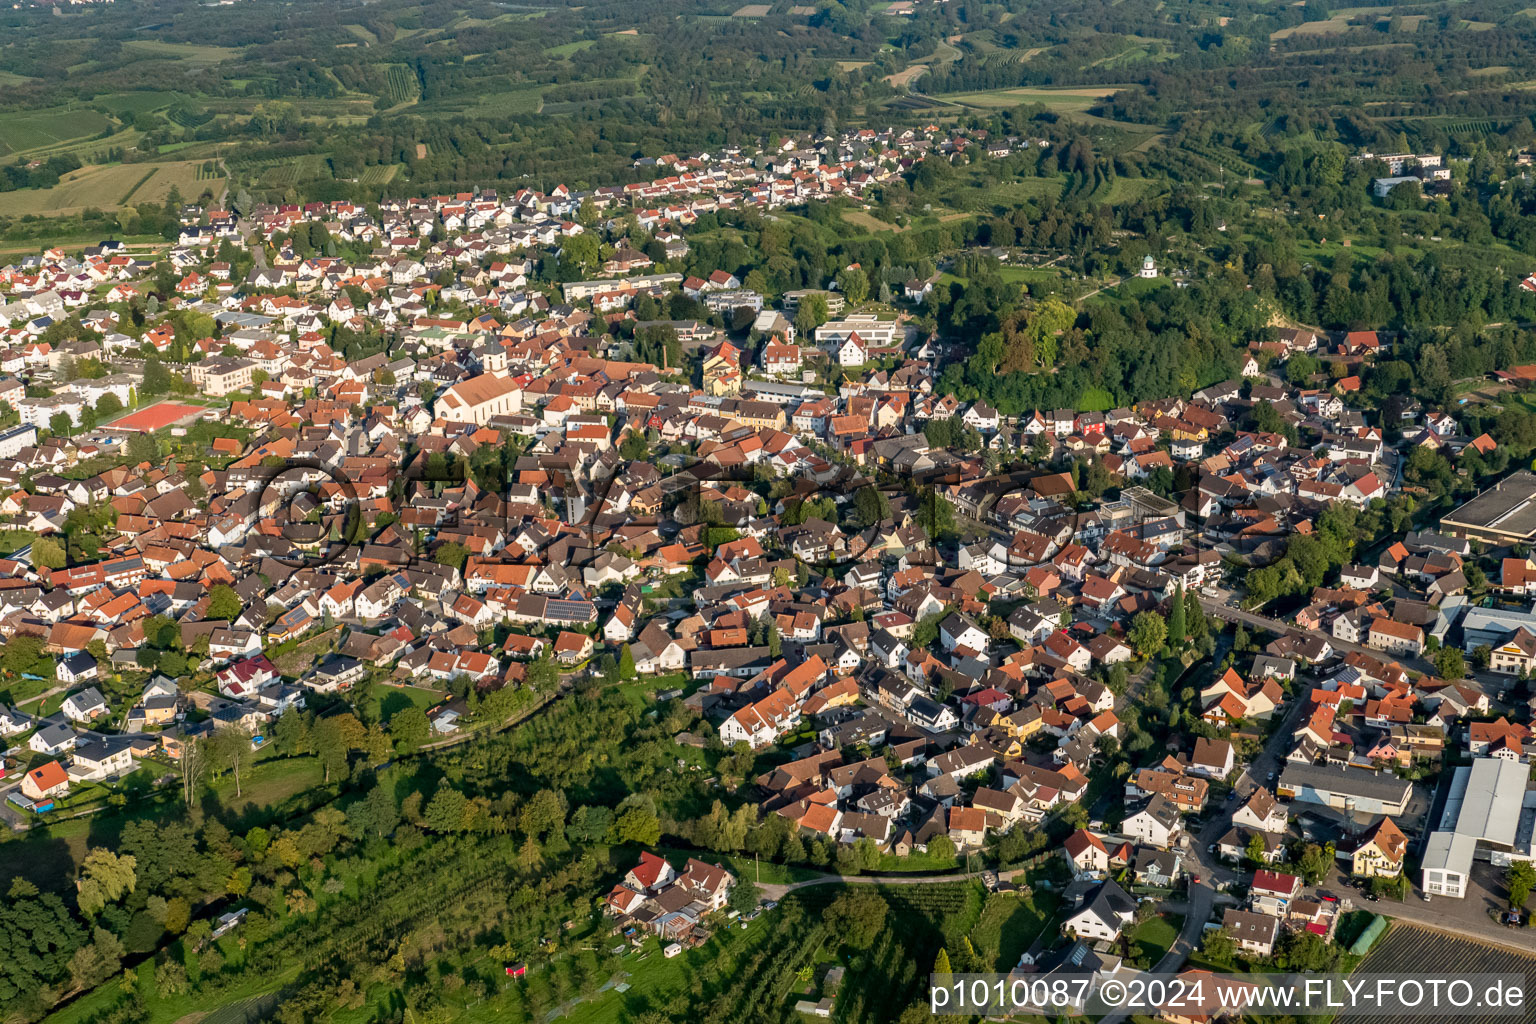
(852, 351)
(1262, 811)
(84, 706)
(1102, 914)
(958, 630)
(76, 668)
(1155, 824)
(52, 738)
(101, 759)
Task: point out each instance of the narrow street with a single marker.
(1228, 613)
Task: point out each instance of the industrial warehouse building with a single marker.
(1488, 816)
(1346, 788)
(1506, 514)
(1492, 626)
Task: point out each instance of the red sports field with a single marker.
(156, 416)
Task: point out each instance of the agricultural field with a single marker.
(902, 79)
(867, 221)
(288, 173)
(1072, 100)
(1007, 194)
(110, 186)
(89, 187)
(1407, 949)
(403, 84)
(1335, 25)
(186, 176)
(527, 100)
(37, 129)
(189, 52)
(140, 101)
(380, 174)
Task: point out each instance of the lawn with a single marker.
(269, 784)
(642, 692)
(1154, 936)
(1009, 925)
(384, 702)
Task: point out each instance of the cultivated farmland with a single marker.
(36, 129)
(108, 187)
(1407, 950)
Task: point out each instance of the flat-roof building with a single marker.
(1346, 788)
(1489, 815)
(1505, 514)
(1491, 626)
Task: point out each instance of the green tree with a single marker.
(61, 424)
(1219, 946)
(1178, 629)
(543, 673)
(744, 896)
(1449, 663)
(856, 916)
(231, 747)
(870, 506)
(22, 653)
(334, 738)
(811, 314)
(855, 285)
(157, 379)
(445, 811)
(626, 663)
(48, 553)
(1521, 879)
(38, 936)
(106, 877)
(634, 446)
(451, 554)
(410, 728)
(638, 826)
(224, 603)
(1148, 633)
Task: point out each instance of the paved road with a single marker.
(1202, 898)
(1221, 610)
